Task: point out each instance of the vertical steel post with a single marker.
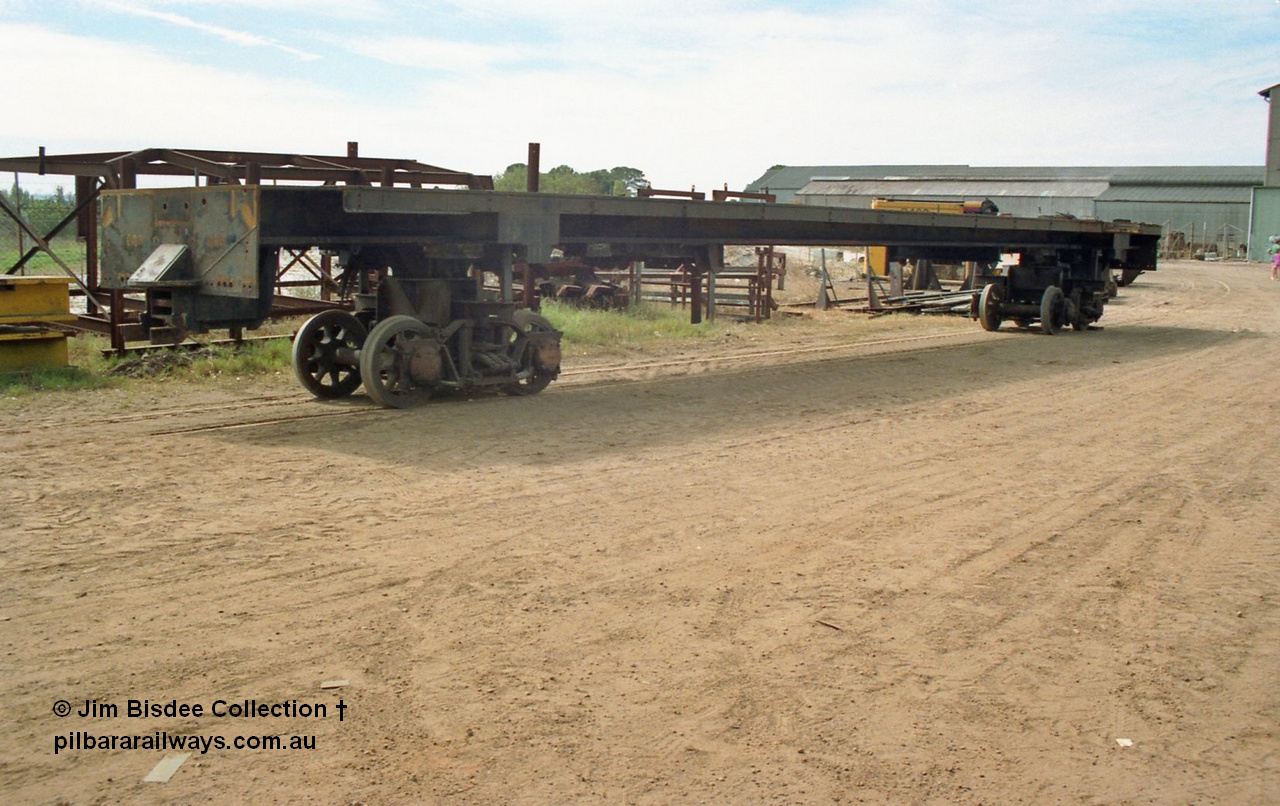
(822, 292)
(715, 262)
(711, 295)
(17, 205)
(534, 168)
(128, 181)
(508, 277)
(768, 284)
(326, 277)
(87, 229)
(530, 295)
(700, 261)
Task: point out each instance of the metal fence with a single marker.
(43, 214)
(1194, 240)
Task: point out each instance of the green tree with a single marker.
(632, 179)
(621, 181)
(513, 179)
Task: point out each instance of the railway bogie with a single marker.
(1053, 289)
(413, 352)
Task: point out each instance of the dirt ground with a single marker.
(940, 567)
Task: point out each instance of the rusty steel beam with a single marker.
(232, 166)
(653, 193)
(726, 194)
(225, 173)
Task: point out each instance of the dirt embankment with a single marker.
(945, 567)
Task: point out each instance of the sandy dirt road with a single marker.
(947, 568)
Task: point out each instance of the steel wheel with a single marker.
(1053, 310)
(989, 307)
(324, 353)
(385, 362)
(538, 378)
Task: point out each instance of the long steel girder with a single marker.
(214, 250)
(542, 221)
(225, 228)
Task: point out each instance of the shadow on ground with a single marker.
(571, 423)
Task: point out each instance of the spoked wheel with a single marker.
(989, 307)
(541, 364)
(1053, 310)
(397, 361)
(324, 354)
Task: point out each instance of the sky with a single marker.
(692, 92)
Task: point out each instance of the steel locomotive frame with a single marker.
(206, 257)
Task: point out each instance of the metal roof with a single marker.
(1177, 193)
(795, 177)
(966, 189)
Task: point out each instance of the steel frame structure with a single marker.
(119, 170)
(235, 233)
(415, 257)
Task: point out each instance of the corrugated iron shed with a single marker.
(786, 181)
(962, 189)
(1177, 194)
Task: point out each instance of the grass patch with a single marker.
(250, 358)
(88, 370)
(51, 379)
(91, 370)
(640, 326)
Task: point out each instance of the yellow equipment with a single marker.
(878, 256)
(28, 306)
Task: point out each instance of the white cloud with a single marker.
(767, 86)
(697, 92)
(156, 101)
(430, 54)
(340, 9)
(233, 36)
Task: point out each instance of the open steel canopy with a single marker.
(120, 169)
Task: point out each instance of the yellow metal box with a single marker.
(24, 303)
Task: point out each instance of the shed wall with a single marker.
(1266, 221)
(1226, 225)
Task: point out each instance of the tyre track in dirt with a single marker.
(588, 375)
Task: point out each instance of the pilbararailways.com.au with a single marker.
(160, 740)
